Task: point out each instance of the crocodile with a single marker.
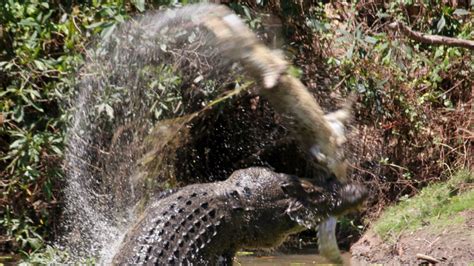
(206, 224)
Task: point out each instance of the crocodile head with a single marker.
(276, 204)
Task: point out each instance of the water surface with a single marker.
(301, 257)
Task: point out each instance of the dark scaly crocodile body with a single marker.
(209, 223)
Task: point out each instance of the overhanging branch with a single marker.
(431, 39)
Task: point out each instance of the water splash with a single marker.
(155, 67)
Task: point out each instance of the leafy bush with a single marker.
(412, 97)
(410, 125)
(42, 44)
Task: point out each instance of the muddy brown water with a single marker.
(302, 257)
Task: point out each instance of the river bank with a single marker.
(435, 226)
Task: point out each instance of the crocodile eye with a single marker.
(234, 194)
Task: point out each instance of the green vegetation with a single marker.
(436, 205)
(41, 45)
(411, 96)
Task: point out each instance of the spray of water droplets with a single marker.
(155, 67)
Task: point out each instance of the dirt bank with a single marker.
(451, 245)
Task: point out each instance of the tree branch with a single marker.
(427, 258)
(431, 39)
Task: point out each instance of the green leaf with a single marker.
(40, 65)
(247, 12)
(120, 18)
(37, 107)
(441, 24)
(3, 93)
(18, 114)
(109, 110)
(381, 14)
(139, 4)
(107, 31)
(35, 243)
(361, 88)
(439, 52)
(56, 150)
(350, 52)
(448, 103)
(28, 22)
(17, 143)
(295, 72)
(370, 40)
(94, 25)
(461, 12)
